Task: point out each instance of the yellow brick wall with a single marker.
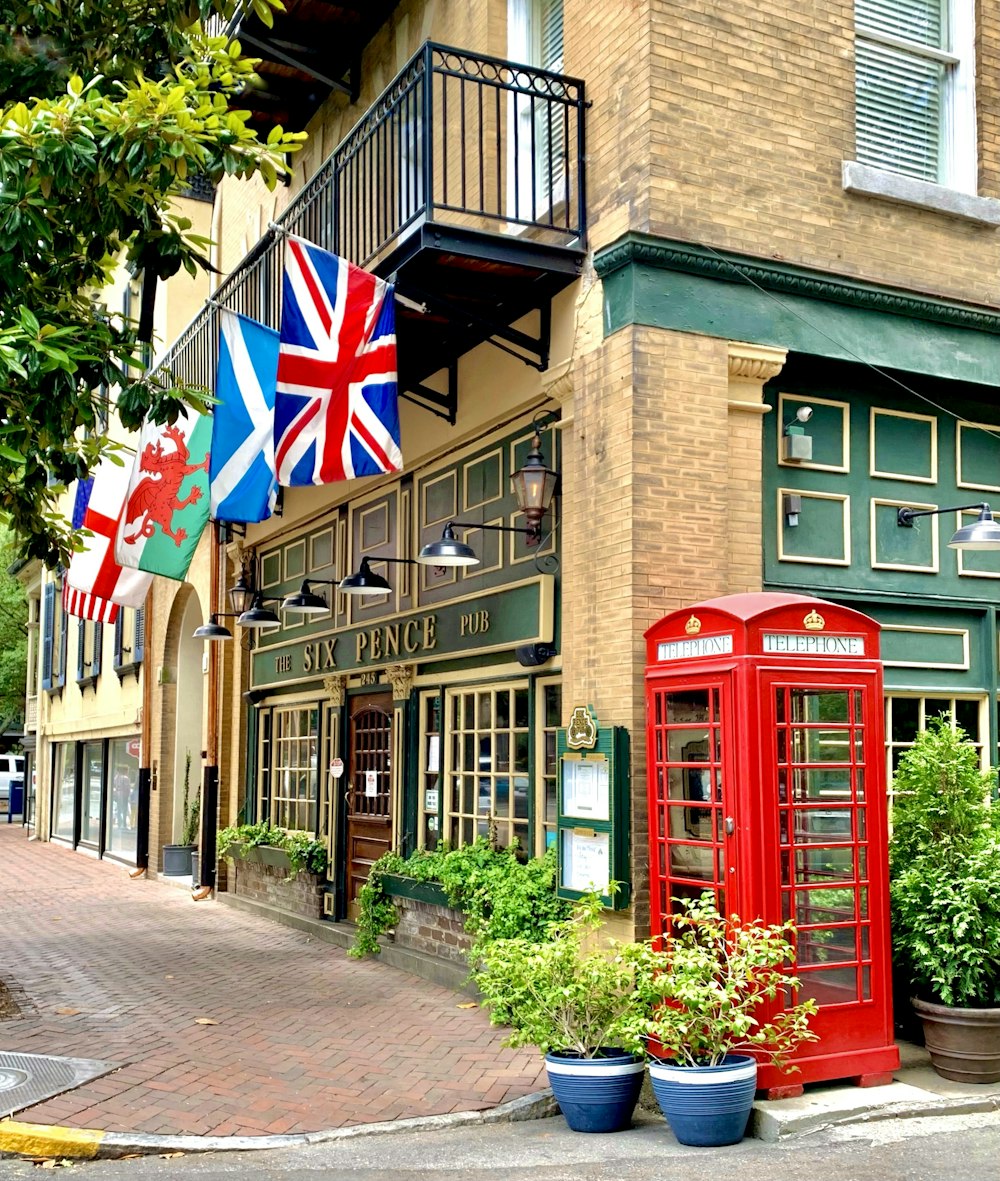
(729, 127)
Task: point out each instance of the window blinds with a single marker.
(900, 92)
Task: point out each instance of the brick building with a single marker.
(668, 227)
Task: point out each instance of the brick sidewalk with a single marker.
(306, 1038)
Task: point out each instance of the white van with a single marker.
(11, 767)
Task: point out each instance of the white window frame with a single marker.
(524, 44)
(955, 192)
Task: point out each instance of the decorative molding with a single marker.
(754, 362)
(557, 382)
(335, 689)
(784, 278)
(400, 677)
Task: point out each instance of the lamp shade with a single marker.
(449, 551)
(305, 602)
(241, 595)
(534, 484)
(983, 534)
(213, 630)
(259, 617)
(364, 582)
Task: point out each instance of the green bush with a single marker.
(944, 860)
(500, 895)
(304, 852)
(564, 993)
(703, 988)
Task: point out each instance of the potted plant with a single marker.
(177, 858)
(578, 1003)
(709, 990)
(944, 890)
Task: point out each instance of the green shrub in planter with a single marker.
(569, 993)
(304, 852)
(704, 988)
(944, 867)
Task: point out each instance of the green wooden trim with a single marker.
(668, 284)
(399, 886)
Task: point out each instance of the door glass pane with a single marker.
(90, 815)
(687, 746)
(821, 785)
(821, 746)
(687, 707)
(692, 861)
(826, 945)
(825, 905)
(829, 986)
(815, 825)
(818, 865)
(691, 823)
(819, 705)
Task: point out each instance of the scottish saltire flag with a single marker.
(95, 584)
(335, 412)
(166, 509)
(241, 468)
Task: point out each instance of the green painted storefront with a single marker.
(905, 414)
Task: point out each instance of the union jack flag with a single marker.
(335, 412)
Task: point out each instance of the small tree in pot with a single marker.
(576, 999)
(944, 865)
(177, 859)
(710, 989)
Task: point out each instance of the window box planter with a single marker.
(263, 875)
(427, 923)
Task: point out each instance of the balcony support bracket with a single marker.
(444, 405)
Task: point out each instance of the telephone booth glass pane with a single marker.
(689, 826)
(823, 838)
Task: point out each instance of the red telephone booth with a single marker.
(766, 780)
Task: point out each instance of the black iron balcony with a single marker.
(465, 180)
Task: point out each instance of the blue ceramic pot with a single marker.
(706, 1105)
(596, 1094)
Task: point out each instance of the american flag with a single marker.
(335, 413)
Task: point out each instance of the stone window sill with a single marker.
(904, 190)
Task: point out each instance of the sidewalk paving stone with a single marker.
(119, 970)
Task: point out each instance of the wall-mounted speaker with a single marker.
(531, 655)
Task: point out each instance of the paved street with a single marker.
(222, 1023)
(959, 1148)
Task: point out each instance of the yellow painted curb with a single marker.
(49, 1140)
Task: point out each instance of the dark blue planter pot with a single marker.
(706, 1105)
(596, 1094)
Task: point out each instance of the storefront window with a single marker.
(93, 790)
(63, 790)
(291, 774)
(430, 771)
(906, 716)
(490, 744)
(550, 718)
(122, 813)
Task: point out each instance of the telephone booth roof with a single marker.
(763, 624)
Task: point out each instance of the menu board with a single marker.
(585, 860)
(586, 788)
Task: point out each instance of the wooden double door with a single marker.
(368, 789)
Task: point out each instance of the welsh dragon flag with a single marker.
(166, 509)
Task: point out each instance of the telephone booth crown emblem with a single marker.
(814, 622)
(693, 626)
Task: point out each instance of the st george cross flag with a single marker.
(335, 413)
(167, 506)
(243, 481)
(95, 584)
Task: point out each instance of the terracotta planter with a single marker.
(964, 1044)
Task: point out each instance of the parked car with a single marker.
(11, 767)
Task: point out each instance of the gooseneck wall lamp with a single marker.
(534, 484)
(983, 534)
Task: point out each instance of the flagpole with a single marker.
(210, 772)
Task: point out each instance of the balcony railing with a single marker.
(457, 140)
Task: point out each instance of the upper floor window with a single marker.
(130, 640)
(914, 89)
(53, 639)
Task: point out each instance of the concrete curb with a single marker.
(18, 1139)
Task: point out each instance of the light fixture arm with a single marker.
(532, 529)
(906, 516)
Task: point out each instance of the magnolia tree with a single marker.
(108, 110)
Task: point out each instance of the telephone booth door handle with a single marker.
(730, 826)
